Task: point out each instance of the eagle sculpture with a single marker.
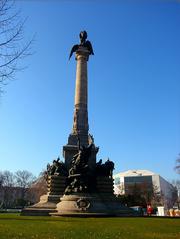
(84, 43)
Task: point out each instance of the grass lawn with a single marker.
(14, 226)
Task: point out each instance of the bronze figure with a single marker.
(83, 43)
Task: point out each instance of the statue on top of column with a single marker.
(83, 43)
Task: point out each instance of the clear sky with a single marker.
(134, 84)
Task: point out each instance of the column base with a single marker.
(44, 207)
(91, 205)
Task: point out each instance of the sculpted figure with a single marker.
(60, 168)
(84, 43)
(110, 167)
(76, 186)
(105, 169)
(78, 176)
(99, 163)
(57, 168)
(80, 160)
(91, 139)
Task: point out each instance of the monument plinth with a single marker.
(80, 186)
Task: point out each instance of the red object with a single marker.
(149, 210)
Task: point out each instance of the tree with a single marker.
(8, 179)
(38, 188)
(6, 187)
(1, 179)
(177, 167)
(24, 179)
(12, 46)
(1, 186)
(176, 184)
(141, 195)
(14, 188)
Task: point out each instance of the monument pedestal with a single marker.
(91, 205)
(46, 205)
(80, 204)
(99, 203)
(55, 186)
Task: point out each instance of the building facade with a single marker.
(124, 183)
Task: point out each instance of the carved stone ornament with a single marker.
(83, 204)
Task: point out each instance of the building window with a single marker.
(138, 179)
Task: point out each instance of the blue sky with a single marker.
(134, 84)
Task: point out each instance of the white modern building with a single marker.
(123, 181)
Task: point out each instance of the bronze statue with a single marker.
(105, 169)
(80, 160)
(78, 179)
(57, 168)
(83, 43)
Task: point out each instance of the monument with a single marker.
(80, 186)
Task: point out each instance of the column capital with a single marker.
(82, 53)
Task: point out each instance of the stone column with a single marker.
(80, 123)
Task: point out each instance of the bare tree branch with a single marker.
(177, 167)
(12, 46)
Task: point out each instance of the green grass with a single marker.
(14, 226)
